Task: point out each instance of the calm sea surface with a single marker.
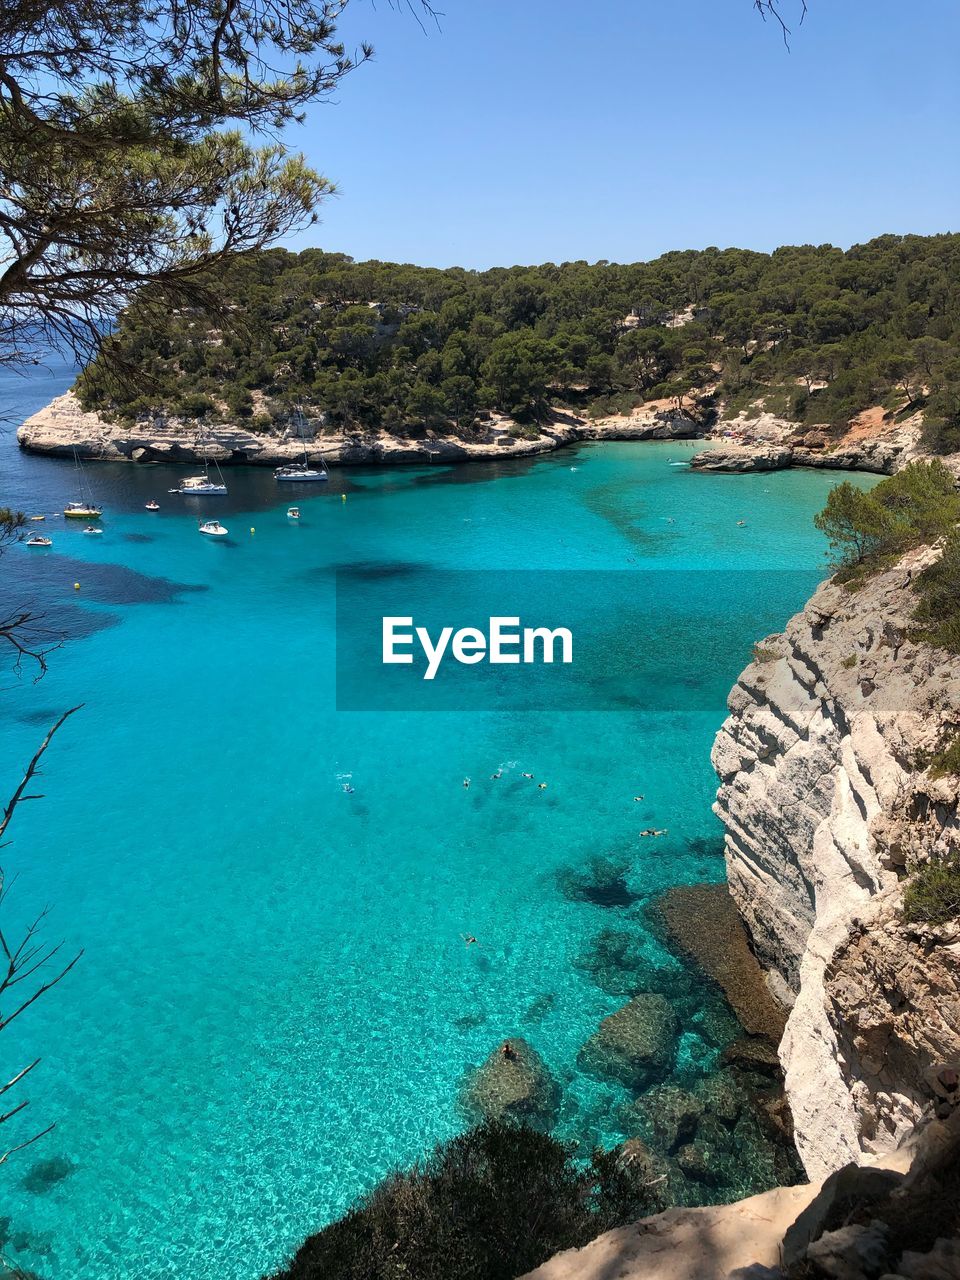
(276, 1005)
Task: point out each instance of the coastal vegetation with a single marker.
(915, 507)
(815, 333)
(493, 1202)
(933, 893)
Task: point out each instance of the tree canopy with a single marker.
(812, 332)
(126, 161)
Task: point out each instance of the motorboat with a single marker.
(201, 486)
(38, 517)
(91, 528)
(213, 529)
(153, 506)
(38, 541)
(293, 513)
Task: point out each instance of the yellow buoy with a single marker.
(343, 497)
(252, 529)
(76, 586)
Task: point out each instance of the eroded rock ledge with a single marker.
(63, 426)
(824, 806)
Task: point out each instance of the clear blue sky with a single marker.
(529, 131)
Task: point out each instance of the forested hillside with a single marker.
(817, 333)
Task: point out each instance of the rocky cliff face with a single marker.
(824, 806)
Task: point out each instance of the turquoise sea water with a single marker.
(275, 1004)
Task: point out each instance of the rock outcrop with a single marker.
(63, 426)
(883, 454)
(514, 1083)
(825, 804)
(635, 1045)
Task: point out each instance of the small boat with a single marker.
(37, 541)
(293, 513)
(92, 529)
(299, 471)
(38, 517)
(173, 491)
(213, 529)
(153, 506)
(202, 486)
(302, 472)
(83, 508)
(82, 511)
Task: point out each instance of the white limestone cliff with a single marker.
(825, 804)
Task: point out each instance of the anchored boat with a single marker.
(213, 529)
(302, 472)
(84, 508)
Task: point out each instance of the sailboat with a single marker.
(83, 508)
(203, 484)
(302, 471)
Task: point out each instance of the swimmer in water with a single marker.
(541, 786)
(526, 775)
(466, 783)
(468, 939)
(741, 523)
(348, 790)
(498, 774)
(508, 1051)
(637, 798)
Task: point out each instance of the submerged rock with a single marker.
(635, 1045)
(44, 1174)
(704, 922)
(514, 1083)
(602, 882)
(618, 962)
(669, 1114)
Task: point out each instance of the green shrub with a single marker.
(849, 662)
(916, 506)
(938, 587)
(945, 760)
(490, 1204)
(933, 894)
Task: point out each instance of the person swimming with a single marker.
(526, 775)
(498, 774)
(347, 789)
(466, 783)
(508, 1051)
(541, 786)
(637, 798)
(468, 939)
(652, 831)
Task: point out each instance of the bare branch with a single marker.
(32, 767)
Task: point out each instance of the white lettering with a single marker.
(532, 634)
(391, 639)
